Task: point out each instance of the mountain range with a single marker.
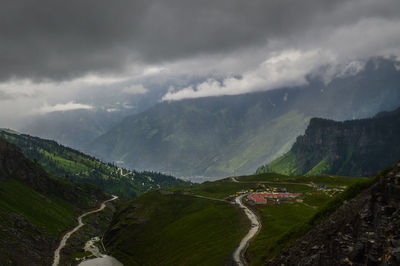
(79, 167)
(72, 128)
(108, 107)
(228, 135)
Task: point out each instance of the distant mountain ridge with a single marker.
(72, 128)
(220, 136)
(353, 148)
(77, 166)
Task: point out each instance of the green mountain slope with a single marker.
(35, 208)
(177, 227)
(220, 136)
(353, 148)
(77, 166)
(169, 229)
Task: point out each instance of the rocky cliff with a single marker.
(364, 231)
(351, 148)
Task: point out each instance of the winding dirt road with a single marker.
(238, 255)
(63, 241)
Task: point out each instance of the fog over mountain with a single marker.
(58, 56)
(220, 136)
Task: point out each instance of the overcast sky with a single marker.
(51, 51)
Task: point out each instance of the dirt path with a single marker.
(238, 255)
(234, 180)
(63, 241)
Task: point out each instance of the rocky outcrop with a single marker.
(364, 231)
(350, 148)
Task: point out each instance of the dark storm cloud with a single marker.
(64, 39)
(57, 39)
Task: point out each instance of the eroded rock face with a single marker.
(350, 148)
(364, 231)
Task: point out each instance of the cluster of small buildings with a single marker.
(257, 198)
(328, 191)
(263, 197)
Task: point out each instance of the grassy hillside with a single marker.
(51, 213)
(333, 180)
(286, 165)
(225, 187)
(77, 166)
(175, 227)
(249, 150)
(157, 229)
(353, 148)
(278, 219)
(35, 208)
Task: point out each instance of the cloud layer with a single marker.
(64, 39)
(288, 69)
(45, 109)
(135, 89)
(63, 51)
(339, 53)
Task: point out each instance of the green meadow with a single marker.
(157, 229)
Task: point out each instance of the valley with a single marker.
(237, 220)
(236, 134)
(241, 220)
(215, 133)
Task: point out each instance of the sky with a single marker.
(53, 53)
